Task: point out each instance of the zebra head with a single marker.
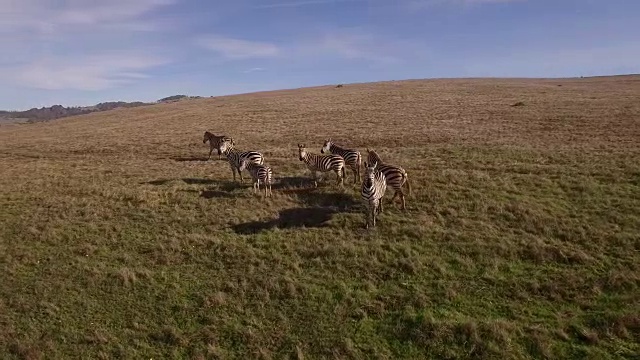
(372, 156)
(327, 146)
(243, 164)
(370, 172)
(207, 136)
(302, 151)
(224, 146)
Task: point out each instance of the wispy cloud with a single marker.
(45, 17)
(556, 62)
(57, 47)
(84, 12)
(303, 3)
(362, 46)
(253, 70)
(424, 4)
(92, 73)
(232, 48)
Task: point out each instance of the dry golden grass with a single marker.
(521, 238)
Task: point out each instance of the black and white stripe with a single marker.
(351, 157)
(259, 173)
(215, 141)
(372, 192)
(395, 175)
(322, 163)
(235, 156)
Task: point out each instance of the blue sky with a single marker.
(81, 52)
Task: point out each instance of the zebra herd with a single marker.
(333, 158)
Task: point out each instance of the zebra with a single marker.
(395, 175)
(351, 157)
(258, 173)
(214, 142)
(322, 163)
(372, 192)
(235, 156)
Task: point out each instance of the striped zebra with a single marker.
(259, 173)
(214, 142)
(235, 156)
(322, 163)
(395, 175)
(373, 189)
(351, 157)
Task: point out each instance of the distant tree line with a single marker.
(59, 111)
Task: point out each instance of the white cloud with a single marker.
(363, 46)
(54, 44)
(560, 62)
(253, 70)
(232, 48)
(89, 73)
(424, 4)
(303, 3)
(356, 46)
(93, 12)
(45, 17)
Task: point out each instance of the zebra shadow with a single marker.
(210, 193)
(192, 158)
(296, 183)
(224, 185)
(198, 181)
(289, 218)
(316, 198)
(317, 210)
(292, 182)
(190, 181)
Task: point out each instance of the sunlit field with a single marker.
(521, 239)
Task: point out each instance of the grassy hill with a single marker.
(521, 238)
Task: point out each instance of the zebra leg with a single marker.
(233, 171)
(395, 194)
(240, 173)
(367, 213)
(313, 176)
(339, 179)
(210, 151)
(379, 206)
(374, 209)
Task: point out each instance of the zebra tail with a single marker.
(408, 183)
(344, 172)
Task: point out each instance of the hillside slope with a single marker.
(119, 239)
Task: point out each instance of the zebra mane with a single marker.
(373, 155)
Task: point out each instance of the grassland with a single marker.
(521, 239)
